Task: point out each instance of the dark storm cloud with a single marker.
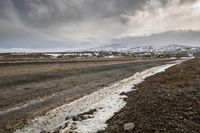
(19, 17)
(45, 13)
(55, 12)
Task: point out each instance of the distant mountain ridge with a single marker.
(173, 41)
(148, 49)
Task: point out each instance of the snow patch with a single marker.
(54, 55)
(106, 101)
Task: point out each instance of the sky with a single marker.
(86, 23)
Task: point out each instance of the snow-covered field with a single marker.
(105, 102)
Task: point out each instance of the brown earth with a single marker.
(29, 89)
(165, 102)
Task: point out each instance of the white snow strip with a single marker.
(106, 101)
(54, 55)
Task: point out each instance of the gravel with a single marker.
(165, 102)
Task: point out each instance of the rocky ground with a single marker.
(165, 102)
(29, 89)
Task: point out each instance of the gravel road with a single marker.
(30, 90)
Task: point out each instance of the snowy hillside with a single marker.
(146, 49)
(161, 42)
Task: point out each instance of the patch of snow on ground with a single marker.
(106, 101)
(54, 55)
(110, 56)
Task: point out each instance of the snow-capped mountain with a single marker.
(174, 41)
(147, 49)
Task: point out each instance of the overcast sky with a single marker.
(92, 21)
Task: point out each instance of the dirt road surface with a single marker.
(28, 90)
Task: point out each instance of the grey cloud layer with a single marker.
(78, 20)
(45, 12)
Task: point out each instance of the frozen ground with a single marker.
(89, 114)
